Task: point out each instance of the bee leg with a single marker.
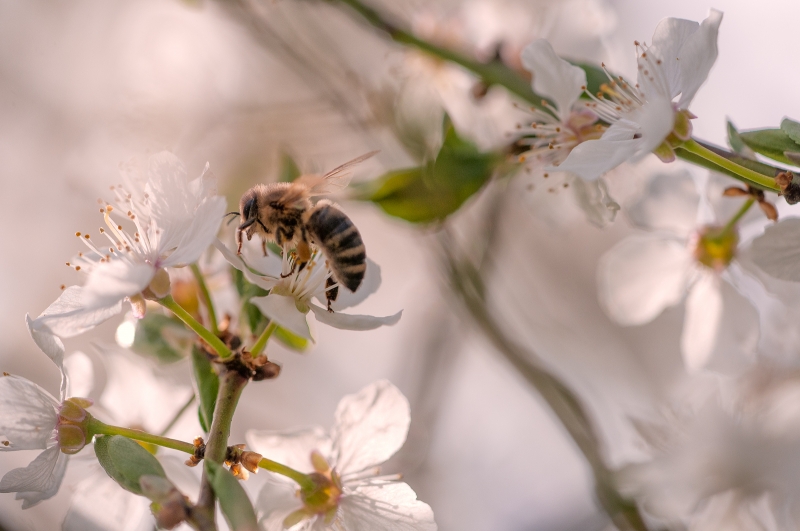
(239, 241)
(331, 292)
(264, 246)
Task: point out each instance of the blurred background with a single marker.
(85, 85)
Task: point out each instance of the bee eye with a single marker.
(250, 209)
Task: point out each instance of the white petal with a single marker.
(370, 284)
(345, 321)
(50, 345)
(276, 500)
(81, 373)
(110, 282)
(27, 414)
(370, 427)
(266, 282)
(68, 316)
(738, 332)
(283, 310)
(200, 234)
(641, 276)
(668, 39)
(593, 198)
(591, 159)
(39, 480)
(701, 321)
(292, 448)
(669, 202)
(777, 251)
(120, 510)
(553, 77)
(656, 119)
(697, 56)
(390, 507)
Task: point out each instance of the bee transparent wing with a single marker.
(335, 180)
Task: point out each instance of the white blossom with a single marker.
(646, 273)
(173, 221)
(671, 70)
(29, 416)
(370, 427)
(291, 294)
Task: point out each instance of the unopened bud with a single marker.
(250, 460)
(267, 371)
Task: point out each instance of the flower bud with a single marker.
(250, 460)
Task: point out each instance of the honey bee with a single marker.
(285, 214)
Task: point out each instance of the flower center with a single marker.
(715, 248)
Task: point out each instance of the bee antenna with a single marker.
(230, 214)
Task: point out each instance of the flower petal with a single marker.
(110, 282)
(68, 316)
(346, 321)
(656, 119)
(370, 284)
(553, 77)
(593, 198)
(264, 281)
(697, 56)
(276, 500)
(121, 510)
(721, 327)
(39, 480)
(669, 202)
(283, 310)
(200, 234)
(371, 426)
(591, 159)
(292, 448)
(27, 414)
(668, 38)
(777, 251)
(641, 276)
(392, 506)
(52, 346)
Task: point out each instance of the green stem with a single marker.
(301, 479)
(201, 282)
(178, 415)
(100, 428)
(213, 341)
(231, 385)
(261, 342)
(747, 175)
(736, 217)
(492, 73)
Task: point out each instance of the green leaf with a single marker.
(792, 129)
(164, 338)
(289, 171)
(736, 142)
(126, 461)
(290, 340)
(233, 499)
(772, 143)
(434, 191)
(207, 383)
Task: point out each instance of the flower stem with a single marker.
(100, 428)
(178, 415)
(212, 340)
(302, 479)
(747, 175)
(736, 217)
(231, 385)
(261, 342)
(201, 282)
(492, 73)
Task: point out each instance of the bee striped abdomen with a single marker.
(340, 241)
